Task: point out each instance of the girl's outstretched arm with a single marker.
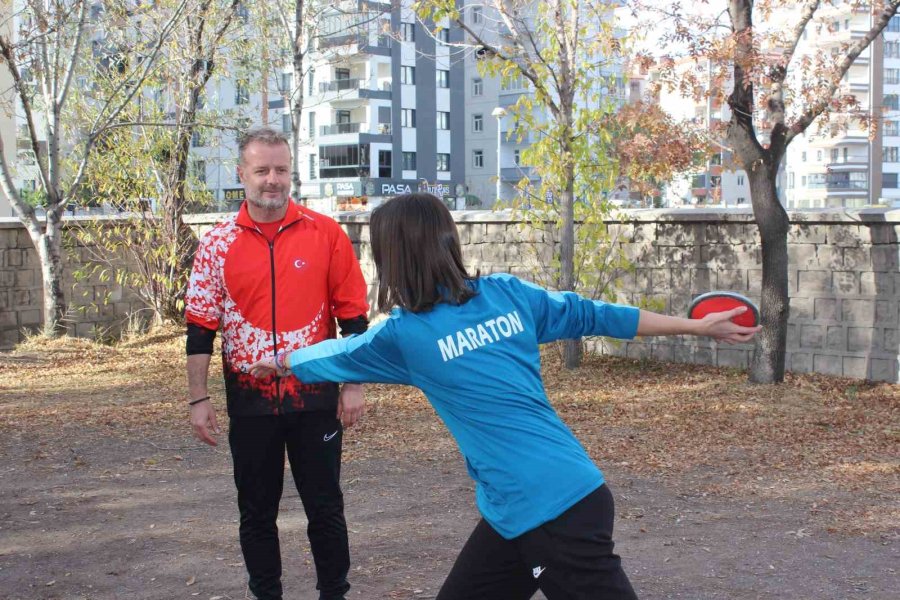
(715, 325)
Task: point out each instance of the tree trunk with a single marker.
(48, 244)
(572, 349)
(767, 363)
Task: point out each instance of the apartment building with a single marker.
(383, 111)
(852, 167)
(844, 168)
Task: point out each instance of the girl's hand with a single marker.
(268, 367)
(720, 327)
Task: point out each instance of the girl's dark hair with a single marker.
(417, 254)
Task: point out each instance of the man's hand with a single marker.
(351, 404)
(203, 420)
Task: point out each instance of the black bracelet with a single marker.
(198, 400)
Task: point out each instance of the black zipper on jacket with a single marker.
(274, 329)
(271, 244)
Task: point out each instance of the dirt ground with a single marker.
(724, 490)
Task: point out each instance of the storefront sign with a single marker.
(342, 188)
(233, 194)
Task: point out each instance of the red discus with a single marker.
(712, 302)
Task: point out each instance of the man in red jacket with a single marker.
(276, 277)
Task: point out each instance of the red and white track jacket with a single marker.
(268, 297)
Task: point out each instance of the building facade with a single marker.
(850, 165)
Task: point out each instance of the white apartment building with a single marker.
(493, 152)
(852, 168)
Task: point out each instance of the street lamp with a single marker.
(498, 113)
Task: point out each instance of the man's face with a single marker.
(265, 171)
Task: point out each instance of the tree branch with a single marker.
(806, 119)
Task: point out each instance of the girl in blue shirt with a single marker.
(472, 345)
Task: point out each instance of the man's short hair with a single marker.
(264, 135)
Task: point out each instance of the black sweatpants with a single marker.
(313, 442)
(568, 558)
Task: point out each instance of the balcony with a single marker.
(339, 85)
(351, 128)
(340, 128)
(851, 164)
(517, 173)
(354, 89)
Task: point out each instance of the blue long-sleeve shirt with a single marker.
(479, 365)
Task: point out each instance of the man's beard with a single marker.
(259, 201)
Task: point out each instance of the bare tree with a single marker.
(53, 45)
(770, 78)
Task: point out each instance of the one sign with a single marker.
(233, 194)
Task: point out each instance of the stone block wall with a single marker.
(844, 280)
(97, 309)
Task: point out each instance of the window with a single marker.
(311, 82)
(443, 162)
(384, 163)
(409, 161)
(803, 181)
(407, 32)
(477, 123)
(478, 158)
(803, 156)
(197, 140)
(846, 154)
(408, 75)
(890, 128)
(818, 156)
(477, 15)
(835, 155)
(443, 36)
(241, 92)
(443, 78)
(893, 25)
(847, 24)
(517, 82)
(891, 102)
(517, 157)
(740, 180)
(443, 120)
(341, 116)
(312, 124)
(284, 84)
(312, 166)
(407, 117)
(889, 181)
(477, 87)
(199, 169)
(790, 181)
(891, 154)
(341, 161)
(286, 123)
(892, 49)
(741, 200)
